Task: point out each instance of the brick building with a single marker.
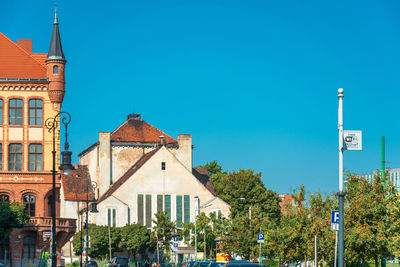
(31, 90)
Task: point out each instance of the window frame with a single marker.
(28, 204)
(14, 155)
(36, 155)
(3, 196)
(35, 108)
(15, 108)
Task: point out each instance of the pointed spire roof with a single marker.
(55, 50)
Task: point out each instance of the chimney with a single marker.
(105, 179)
(184, 152)
(25, 44)
(133, 116)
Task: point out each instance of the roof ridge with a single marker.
(124, 177)
(158, 130)
(20, 48)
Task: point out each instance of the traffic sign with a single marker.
(260, 238)
(175, 238)
(334, 226)
(335, 216)
(175, 245)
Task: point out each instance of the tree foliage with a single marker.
(163, 231)
(135, 238)
(12, 215)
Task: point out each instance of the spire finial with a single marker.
(55, 14)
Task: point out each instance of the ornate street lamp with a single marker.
(52, 125)
(93, 209)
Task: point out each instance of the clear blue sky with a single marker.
(254, 82)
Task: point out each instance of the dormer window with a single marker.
(55, 69)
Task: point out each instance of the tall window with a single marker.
(35, 157)
(28, 251)
(35, 112)
(148, 211)
(29, 202)
(160, 203)
(15, 157)
(1, 156)
(179, 211)
(186, 205)
(55, 69)
(4, 198)
(168, 206)
(112, 217)
(15, 111)
(1, 111)
(140, 209)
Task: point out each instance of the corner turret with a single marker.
(55, 63)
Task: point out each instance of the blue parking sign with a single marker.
(175, 245)
(335, 216)
(175, 239)
(260, 238)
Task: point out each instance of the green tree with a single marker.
(99, 241)
(243, 189)
(163, 231)
(216, 174)
(371, 222)
(208, 229)
(135, 238)
(12, 215)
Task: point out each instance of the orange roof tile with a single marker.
(16, 62)
(41, 57)
(74, 185)
(137, 130)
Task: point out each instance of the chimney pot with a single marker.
(134, 116)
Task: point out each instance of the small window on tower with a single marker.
(163, 166)
(55, 69)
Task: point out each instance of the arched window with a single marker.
(15, 111)
(35, 112)
(15, 157)
(35, 157)
(28, 251)
(1, 111)
(4, 198)
(55, 69)
(29, 202)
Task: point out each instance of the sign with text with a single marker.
(335, 216)
(352, 140)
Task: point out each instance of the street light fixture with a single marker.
(259, 203)
(93, 184)
(52, 124)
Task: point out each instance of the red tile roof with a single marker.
(74, 185)
(201, 173)
(16, 62)
(137, 130)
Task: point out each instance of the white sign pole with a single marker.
(336, 248)
(341, 192)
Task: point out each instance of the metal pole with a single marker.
(341, 192)
(260, 229)
(195, 225)
(383, 158)
(315, 251)
(53, 207)
(87, 222)
(81, 239)
(336, 239)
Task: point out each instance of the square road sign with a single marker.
(335, 216)
(260, 238)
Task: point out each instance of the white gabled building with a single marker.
(141, 170)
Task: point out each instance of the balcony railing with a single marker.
(44, 222)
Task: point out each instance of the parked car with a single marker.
(91, 263)
(201, 263)
(216, 264)
(119, 262)
(243, 264)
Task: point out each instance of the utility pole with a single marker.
(341, 192)
(315, 251)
